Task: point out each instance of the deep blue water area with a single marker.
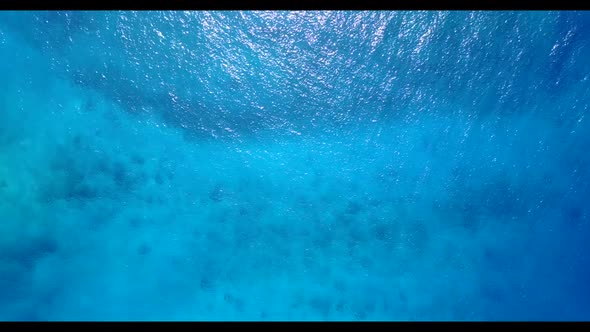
(271, 165)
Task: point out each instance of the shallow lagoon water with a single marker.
(294, 166)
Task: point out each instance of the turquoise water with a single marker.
(294, 165)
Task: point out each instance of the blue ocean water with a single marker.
(294, 165)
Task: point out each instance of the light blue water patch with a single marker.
(294, 165)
